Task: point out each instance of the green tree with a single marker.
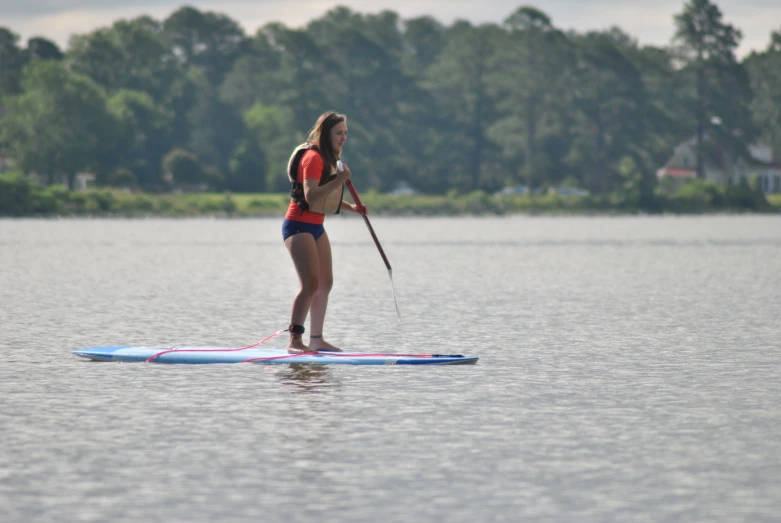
(131, 54)
(460, 79)
(532, 67)
(247, 167)
(368, 84)
(145, 129)
(609, 97)
(662, 113)
(99, 57)
(272, 129)
(59, 124)
(43, 49)
(423, 41)
(214, 125)
(121, 177)
(182, 167)
(16, 194)
(255, 76)
(304, 67)
(765, 73)
(210, 41)
(11, 63)
(706, 47)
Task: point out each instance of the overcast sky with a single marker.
(649, 23)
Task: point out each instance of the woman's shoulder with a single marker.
(312, 155)
(311, 165)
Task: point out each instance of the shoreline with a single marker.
(58, 203)
(280, 216)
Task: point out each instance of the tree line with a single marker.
(193, 100)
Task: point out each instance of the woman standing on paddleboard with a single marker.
(317, 175)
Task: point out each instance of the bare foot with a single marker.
(296, 345)
(320, 345)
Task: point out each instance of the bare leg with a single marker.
(303, 251)
(320, 299)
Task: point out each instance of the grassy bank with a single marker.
(20, 197)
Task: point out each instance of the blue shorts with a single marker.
(291, 227)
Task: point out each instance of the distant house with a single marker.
(84, 180)
(683, 165)
(561, 191)
(81, 181)
(510, 190)
(403, 188)
(568, 191)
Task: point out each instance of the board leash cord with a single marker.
(155, 356)
(352, 355)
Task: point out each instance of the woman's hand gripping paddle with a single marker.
(357, 200)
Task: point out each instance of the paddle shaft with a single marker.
(357, 200)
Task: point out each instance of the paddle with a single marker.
(357, 200)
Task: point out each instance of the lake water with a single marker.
(629, 371)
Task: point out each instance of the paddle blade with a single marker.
(390, 275)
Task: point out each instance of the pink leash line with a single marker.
(340, 355)
(153, 356)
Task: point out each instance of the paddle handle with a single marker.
(353, 192)
(357, 200)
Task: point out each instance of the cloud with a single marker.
(756, 25)
(38, 8)
(59, 25)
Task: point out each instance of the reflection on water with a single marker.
(308, 378)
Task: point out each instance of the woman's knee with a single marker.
(326, 281)
(310, 284)
(325, 284)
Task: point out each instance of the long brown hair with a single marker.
(320, 136)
